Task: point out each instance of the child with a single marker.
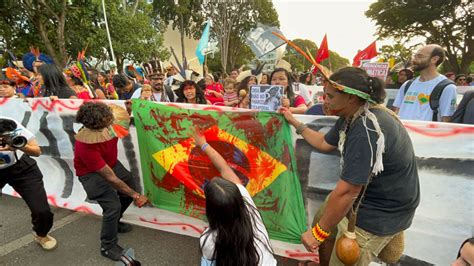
(236, 234)
(230, 93)
(147, 93)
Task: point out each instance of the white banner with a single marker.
(445, 155)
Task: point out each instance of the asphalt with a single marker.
(78, 241)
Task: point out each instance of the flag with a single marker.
(366, 54)
(203, 43)
(256, 145)
(323, 51)
(391, 62)
(261, 40)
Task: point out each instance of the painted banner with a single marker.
(445, 157)
(257, 145)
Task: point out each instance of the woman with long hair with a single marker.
(54, 83)
(190, 92)
(295, 103)
(236, 234)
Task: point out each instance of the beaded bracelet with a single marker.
(204, 146)
(300, 128)
(319, 233)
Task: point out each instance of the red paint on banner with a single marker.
(429, 133)
(183, 226)
(300, 254)
(84, 209)
(50, 105)
(52, 200)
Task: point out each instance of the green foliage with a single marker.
(297, 61)
(232, 20)
(186, 16)
(398, 51)
(449, 24)
(336, 61)
(300, 64)
(134, 32)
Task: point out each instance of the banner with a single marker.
(377, 70)
(256, 145)
(262, 41)
(444, 151)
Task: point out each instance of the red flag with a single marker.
(367, 53)
(323, 51)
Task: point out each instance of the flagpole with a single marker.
(108, 32)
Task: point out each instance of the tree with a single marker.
(134, 34)
(49, 19)
(300, 64)
(447, 24)
(231, 21)
(15, 29)
(398, 51)
(335, 61)
(184, 15)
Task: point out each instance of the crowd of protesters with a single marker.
(348, 93)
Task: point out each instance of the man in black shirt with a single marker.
(378, 166)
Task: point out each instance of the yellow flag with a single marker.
(391, 62)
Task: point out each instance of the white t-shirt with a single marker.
(7, 158)
(266, 257)
(415, 104)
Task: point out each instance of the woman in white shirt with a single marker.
(236, 234)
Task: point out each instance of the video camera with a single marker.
(12, 139)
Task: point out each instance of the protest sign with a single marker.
(266, 97)
(378, 70)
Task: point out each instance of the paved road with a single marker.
(78, 234)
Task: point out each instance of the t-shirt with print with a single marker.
(392, 196)
(7, 158)
(415, 104)
(207, 240)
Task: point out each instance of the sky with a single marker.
(344, 21)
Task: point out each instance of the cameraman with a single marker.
(22, 173)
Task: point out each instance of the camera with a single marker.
(12, 139)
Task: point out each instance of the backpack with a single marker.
(434, 96)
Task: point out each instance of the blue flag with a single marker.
(203, 43)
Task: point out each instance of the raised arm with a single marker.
(216, 159)
(314, 138)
